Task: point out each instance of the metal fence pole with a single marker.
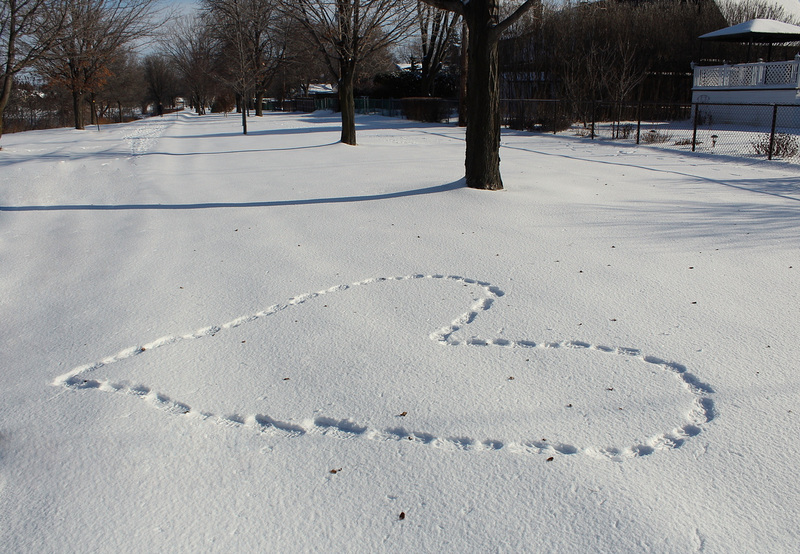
(694, 130)
(772, 131)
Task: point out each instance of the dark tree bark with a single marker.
(483, 100)
(347, 103)
(462, 80)
(92, 100)
(6, 85)
(77, 108)
(7, 77)
(483, 86)
(244, 114)
(260, 103)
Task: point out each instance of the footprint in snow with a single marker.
(345, 361)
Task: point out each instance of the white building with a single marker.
(749, 83)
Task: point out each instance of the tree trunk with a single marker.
(260, 104)
(347, 103)
(77, 108)
(462, 80)
(5, 95)
(244, 115)
(8, 77)
(428, 78)
(483, 98)
(93, 109)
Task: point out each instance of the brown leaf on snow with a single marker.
(402, 515)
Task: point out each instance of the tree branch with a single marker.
(514, 17)
(449, 5)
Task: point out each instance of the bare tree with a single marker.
(228, 22)
(274, 55)
(346, 33)
(124, 86)
(623, 51)
(28, 28)
(160, 81)
(192, 50)
(483, 84)
(300, 66)
(736, 12)
(438, 32)
(93, 35)
(251, 43)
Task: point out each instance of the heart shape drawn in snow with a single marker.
(347, 362)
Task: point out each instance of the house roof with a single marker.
(756, 30)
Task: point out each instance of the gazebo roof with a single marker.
(756, 30)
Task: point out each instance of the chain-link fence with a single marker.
(770, 131)
(424, 109)
(758, 130)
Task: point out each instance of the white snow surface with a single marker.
(278, 343)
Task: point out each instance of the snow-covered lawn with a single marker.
(278, 343)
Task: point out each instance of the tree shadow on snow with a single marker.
(267, 204)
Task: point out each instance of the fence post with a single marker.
(593, 114)
(638, 121)
(555, 116)
(694, 130)
(772, 131)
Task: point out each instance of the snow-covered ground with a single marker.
(278, 343)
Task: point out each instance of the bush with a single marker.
(397, 84)
(530, 115)
(222, 104)
(624, 130)
(785, 146)
(429, 110)
(655, 137)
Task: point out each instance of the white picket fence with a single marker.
(761, 74)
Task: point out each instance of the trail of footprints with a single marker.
(142, 137)
(701, 412)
